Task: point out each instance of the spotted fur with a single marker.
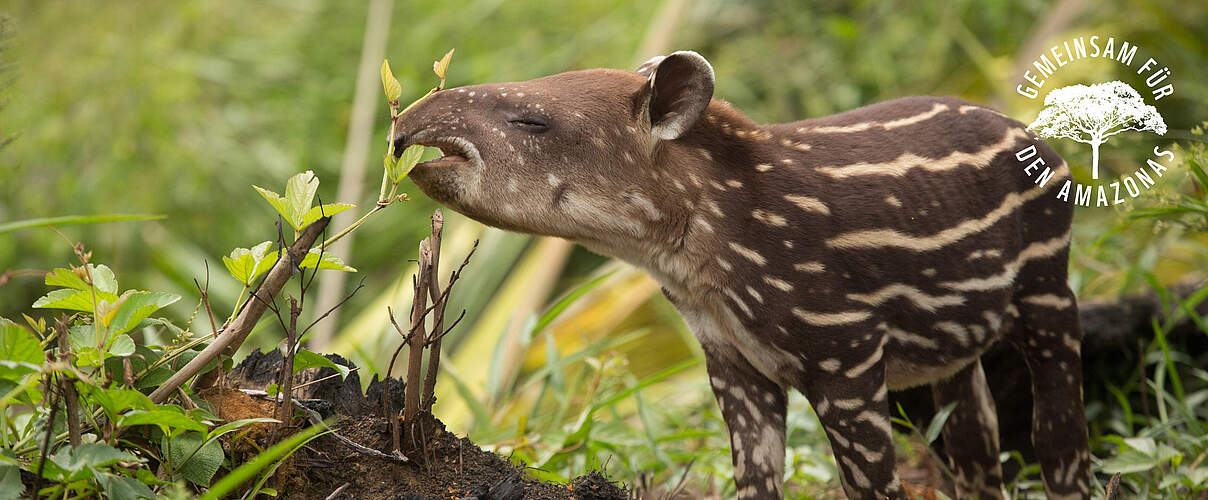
(844, 256)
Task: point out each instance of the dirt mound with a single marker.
(441, 465)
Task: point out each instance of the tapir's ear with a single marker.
(680, 87)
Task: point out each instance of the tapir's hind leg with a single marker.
(1049, 338)
(971, 433)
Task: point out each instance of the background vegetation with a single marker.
(179, 108)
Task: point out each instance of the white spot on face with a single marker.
(787, 244)
(552, 179)
(513, 185)
(808, 203)
(724, 264)
(809, 267)
(755, 294)
(831, 365)
(762, 167)
(893, 200)
(734, 183)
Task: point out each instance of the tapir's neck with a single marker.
(689, 182)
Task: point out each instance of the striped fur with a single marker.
(845, 256)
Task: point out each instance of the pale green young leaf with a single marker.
(324, 210)
(442, 66)
(20, 352)
(66, 278)
(275, 200)
(410, 158)
(121, 346)
(311, 261)
(392, 166)
(75, 300)
(244, 262)
(299, 194)
(390, 84)
(103, 278)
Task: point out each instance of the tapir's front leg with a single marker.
(753, 407)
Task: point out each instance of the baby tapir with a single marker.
(844, 256)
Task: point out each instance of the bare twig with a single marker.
(316, 419)
(428, 396)
(70, 395)
(415, 355)
(333, 308)
(12, 273)
(54, 408)
(335, 493)
(287, 370)
(237, 331)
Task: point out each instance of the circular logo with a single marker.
(1093, 114)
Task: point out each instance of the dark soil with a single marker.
(442, 465)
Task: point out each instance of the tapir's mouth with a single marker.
(455, 152)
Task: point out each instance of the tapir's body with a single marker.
(877, 249)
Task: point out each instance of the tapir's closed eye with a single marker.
(532, 124)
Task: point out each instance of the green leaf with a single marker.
(276, 201)
(406, 163)
(329, 262)
(73, 464)
(116, 401)
(137, 307)
(243, 263)
(1129, 461)
(20, 352)
(195, 459)
(442, 66)
(166, 420)
(118, 487)
(271, 390)
(11, 487)
(299, 193)
(66, 278)
(103, 278)
(304, 359)
(937, 422)
(390, 85)
(264, 460)
(68, 220)
(325, 210)
(122, 346)
(74, 300)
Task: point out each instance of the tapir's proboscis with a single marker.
(845, 256)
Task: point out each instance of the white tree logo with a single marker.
(1091, 115)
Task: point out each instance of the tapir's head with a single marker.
(566, 155)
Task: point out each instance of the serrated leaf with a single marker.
(407, 162)
(66, 278)
(329, 262)
(103, 278)
(390, 84)
(442, 66)
(116, 401)
(74, 300)
(72, 464)
(136, 307)
(243, 263)
(325, 210)
(20, 352)
(122, 346)
(299, 193)
(195, 460)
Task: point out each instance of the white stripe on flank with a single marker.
(908, 161)
(1037, 250)
(750, 255)
(810, 267)
(935, 110)
(808, 203)
(906, 337)
(830, 319)
(883, 238)
(920, 298)
(872, 360)
(1048, 300)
